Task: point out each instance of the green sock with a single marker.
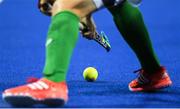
(61, 40)
(129, 22)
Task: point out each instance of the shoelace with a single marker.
(138, 71)
(141, 79)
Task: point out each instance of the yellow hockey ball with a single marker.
(90, 74)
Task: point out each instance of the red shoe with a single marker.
(150, 82)
(42, 91)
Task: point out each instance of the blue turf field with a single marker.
(22, 37)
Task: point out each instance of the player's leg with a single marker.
(63, 36)
(61, 40)
(81, 8)
(130, 23)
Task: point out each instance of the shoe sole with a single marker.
(150, 88)
(22, 101)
